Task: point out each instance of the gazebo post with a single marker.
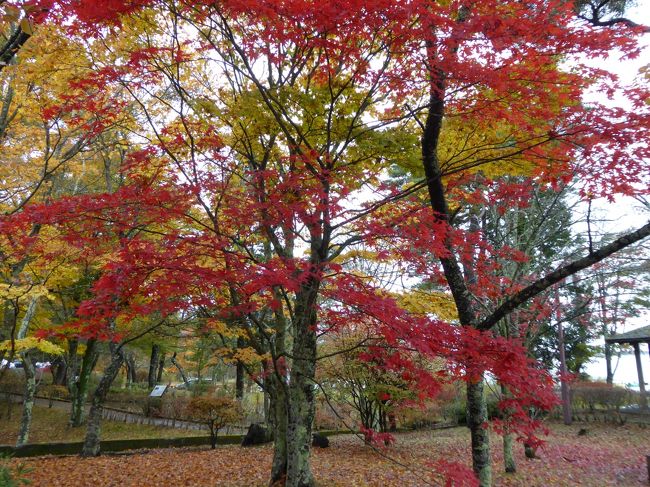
(635, 338)
(643, 402)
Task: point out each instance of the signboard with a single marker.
(158, 391)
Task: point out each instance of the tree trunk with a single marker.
(608, 360)
(59, 371)
(239, 373)
(91, 446)
(267, 405)
(154, 362)
(28, 400)
(161, 367)
(508, 457)
(564, 384)
(72, 366)
(30, 377)
(476, 420)
(300, 413)
(509, 463)
(79, 385)
(213, 436)
(181, 371)
(129, 360)
(476, 408)
(278, 418)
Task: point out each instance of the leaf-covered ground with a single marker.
(606, 455)
(51, 426)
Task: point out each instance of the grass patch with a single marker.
(51, 425)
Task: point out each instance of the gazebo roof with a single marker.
(640, 335)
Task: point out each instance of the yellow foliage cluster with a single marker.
(31, 343)
(429, 302)
(247, 356)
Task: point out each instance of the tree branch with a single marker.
(532, 290)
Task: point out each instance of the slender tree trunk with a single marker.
(73, 366)
(239, 373)
(300, 413)
(81, 384)
(213, 436)
(180, 370)
(509, 463)
(564, 385)
(267, 405)
(28, 400)
(476, 420)
(161, 368)
(608, 360)
(91, 446)
(129, 360)
(154, 361)
(476, 408)
(276, 394)
(59, 370)
(30, 377)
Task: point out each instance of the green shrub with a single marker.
(458, 411)
(13, 381)
(599, 395)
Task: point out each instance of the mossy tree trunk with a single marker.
(180, 369)
(131, 369)
(477, 421)
(28, 399)
(91, 446)
(276, 390)
(80, 385)
(161, 367)
(30, 377)
(301, 404)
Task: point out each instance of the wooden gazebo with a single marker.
(634, 338)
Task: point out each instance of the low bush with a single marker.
(173, 406)
(13, 381)
(599, 395)
(216, 412)
(152, 407)
(420, 417)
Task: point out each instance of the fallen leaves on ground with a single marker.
(607, 455)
